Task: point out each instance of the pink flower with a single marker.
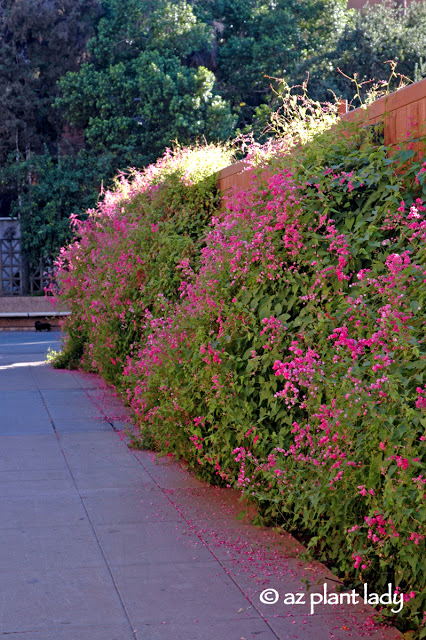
(402, 462)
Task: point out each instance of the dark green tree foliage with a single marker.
(371, 38)
(40, 40)
(137, 94)
(258, 38)
(49, 192)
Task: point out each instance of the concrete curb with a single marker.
(34, 314)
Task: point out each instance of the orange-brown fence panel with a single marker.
(403, 114)
(236, 175)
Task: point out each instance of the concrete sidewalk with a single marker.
(98, 542)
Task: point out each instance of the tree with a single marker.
(52, 193)
(258, 38)
(40, 40)
(136, 94)
(371, 38)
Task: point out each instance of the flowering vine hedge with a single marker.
(276, 344)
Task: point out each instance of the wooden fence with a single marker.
(403, 114)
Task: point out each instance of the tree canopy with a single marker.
(137, 94)
(40, 41)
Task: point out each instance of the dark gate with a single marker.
(17, 278)
(10, 267)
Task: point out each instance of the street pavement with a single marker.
(99, 542)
